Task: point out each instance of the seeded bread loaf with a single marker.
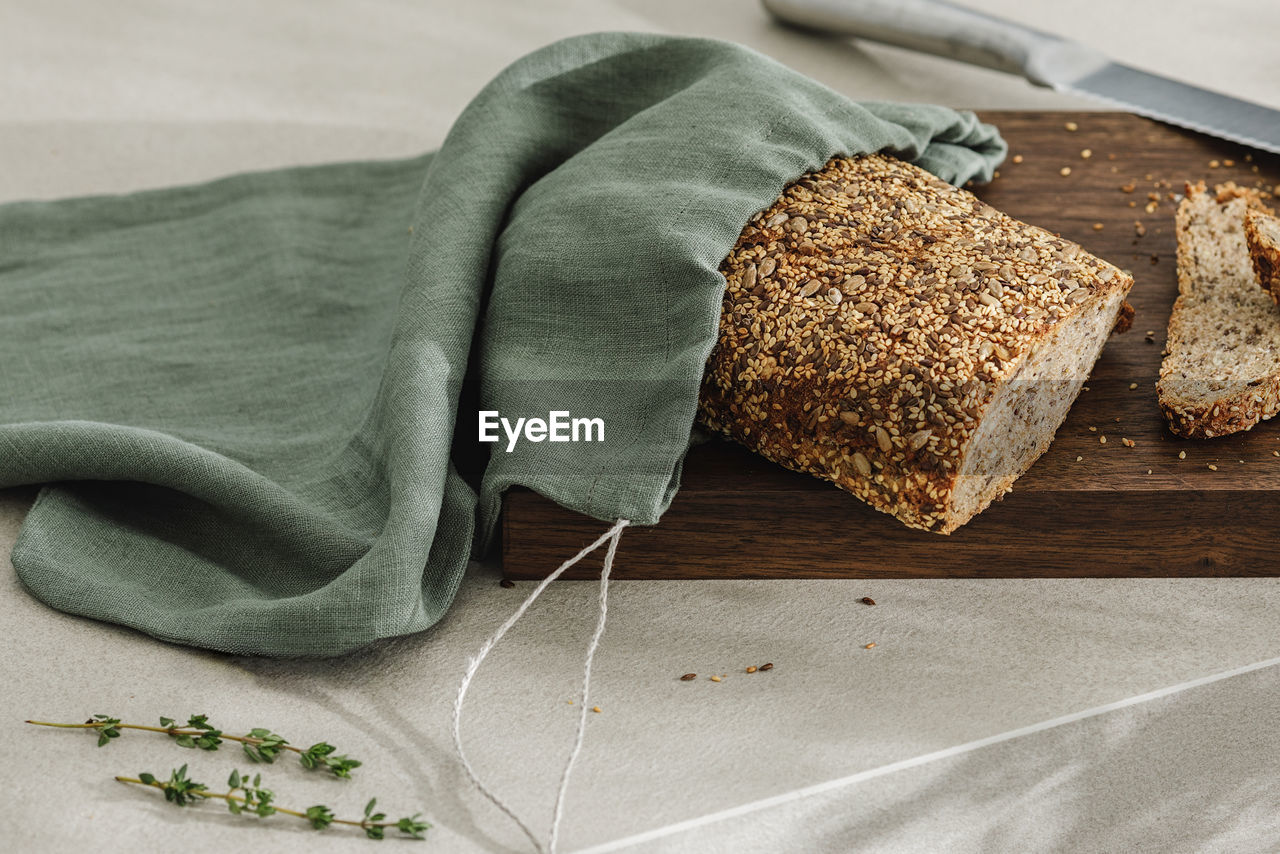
(1221, 371)
(891, 333)
(1262, 233)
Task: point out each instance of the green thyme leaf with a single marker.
(411, 826)
(320, 816)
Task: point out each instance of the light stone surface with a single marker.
(98, 97)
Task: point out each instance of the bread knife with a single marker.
(951, 31)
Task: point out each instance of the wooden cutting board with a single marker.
(1085, 508)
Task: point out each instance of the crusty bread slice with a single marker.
(1221, 371)
(1262, 232)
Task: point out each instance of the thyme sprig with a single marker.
(259, 744)
(253, 800)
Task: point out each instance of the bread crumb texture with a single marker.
(872, 317)
(1221, 373)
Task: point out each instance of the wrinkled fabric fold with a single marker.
(252, 403)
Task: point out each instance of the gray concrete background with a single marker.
(132, 94)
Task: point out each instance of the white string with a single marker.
(586, 687)
(613, 535)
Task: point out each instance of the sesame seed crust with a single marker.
(870, 315)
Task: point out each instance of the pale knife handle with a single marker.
(947, 30)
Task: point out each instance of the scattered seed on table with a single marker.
(715, 679)
(1132, 386)
(688, 677)
(1128, 443)
(1079, 459)
(1182, 455)
(751, 669)
(767, 666)
(1102, 440)
(1148, 471)
(1212, 467)
(867, 600)
(869, 646)
(1128, 188)
(595, 709)
(1228, 163)
(1064, 171)
(1213, 164)
(1017, 158)
(1275, 453)
(506, 582)
(1097, 226)
(1150, 207)
(1086, 154)
(1072, 126)
(1093, 429)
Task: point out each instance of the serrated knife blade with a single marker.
(1182, 104)
(945, 29)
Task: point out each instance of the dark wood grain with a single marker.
(1119, 511)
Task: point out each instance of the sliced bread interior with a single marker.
(1221, 371)
(1262, 232)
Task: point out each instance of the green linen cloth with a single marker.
(252, 403)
